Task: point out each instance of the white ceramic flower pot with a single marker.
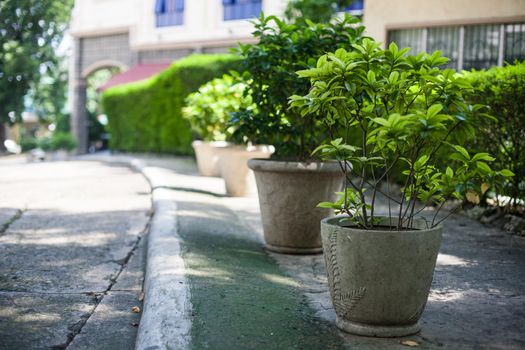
(208, 157)
(234, 169)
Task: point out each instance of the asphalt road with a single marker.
(72, 244)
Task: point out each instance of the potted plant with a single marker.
(208, 111)
(406, 112)
(292, 182)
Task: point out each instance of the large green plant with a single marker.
(209, 109)
(406, 109)
(146, 116)
(271, 64)
(503, 90)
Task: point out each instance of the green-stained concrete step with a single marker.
(241, 299)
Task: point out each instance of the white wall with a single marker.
(203, 23)
(95, 17)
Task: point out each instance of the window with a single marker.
(481, 48)
(440, 39)
(467, 47)
(514, 42)
(241, 9)
(355, 8)
(169, 13)
(412, 38)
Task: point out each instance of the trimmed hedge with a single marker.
(502, 89)
(146, 116)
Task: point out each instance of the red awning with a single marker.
(135, 73)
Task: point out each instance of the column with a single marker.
(78, 121)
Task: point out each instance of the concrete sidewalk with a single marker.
(210, 284)
(72, 238)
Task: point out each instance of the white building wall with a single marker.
(203, 23)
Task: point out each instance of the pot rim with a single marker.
(219, 144)
(421, 225)
(258, 150)
(286, 166)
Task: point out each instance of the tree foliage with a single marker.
(31, 31)
(270, 67)
(406, 109)
(318, 11)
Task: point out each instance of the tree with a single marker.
(318, 11)
(31, 31)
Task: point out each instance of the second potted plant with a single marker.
(208, 111)
(292, 182)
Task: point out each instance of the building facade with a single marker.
(472, 33)
(124, 33)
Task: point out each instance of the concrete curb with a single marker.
(166, 314)
(165, 322)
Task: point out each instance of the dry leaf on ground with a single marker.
(410, 343)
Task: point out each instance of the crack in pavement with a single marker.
(99, 296)
(50, 293)
(4, 227)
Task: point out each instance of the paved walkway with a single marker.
(72, 254)
(241, 297)
(211, 283)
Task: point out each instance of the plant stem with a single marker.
(446, 216)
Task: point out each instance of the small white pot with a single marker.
(207, 156)
(238, 178)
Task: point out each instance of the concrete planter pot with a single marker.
(379, 280)
(234, 169)
(288, 195)
(208, 157)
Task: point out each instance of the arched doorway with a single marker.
(91, 54)
(97, 136)
(85, 102)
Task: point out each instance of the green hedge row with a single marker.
(146, 116)
(502, 89)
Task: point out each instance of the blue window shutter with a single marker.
(179, 6)
(160, 6)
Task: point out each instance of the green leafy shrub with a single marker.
(45, 143)
(270, 65)
(28, 143)
(209, 109)
(63, 141)
(146, 116)
(406, 109)
(503, 90)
